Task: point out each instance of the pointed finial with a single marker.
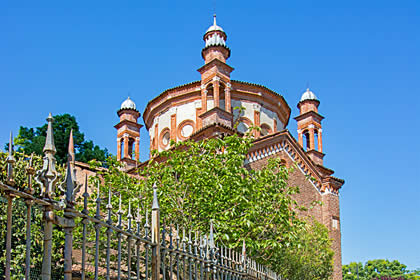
(85, 197)
(119, 207)
(214, 19)
(155, 204)
(211, 236)
(71, 155)
(129, 215)
(10, 162)
(109, 205)
(11, 145)
(98, 191)
(243, 250)
(49, 141)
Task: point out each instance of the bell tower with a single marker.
(128, 133)
(309, 126)
(215, 79)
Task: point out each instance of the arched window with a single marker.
(185, 129)
(222, 98)
(243, 124)
(316, 140)
(131, 148)
(210, 97)
(265, 129)
(121, 148)
(165, 138)
(306, 140)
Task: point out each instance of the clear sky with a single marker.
(361, 58)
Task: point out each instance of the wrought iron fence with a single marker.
(107, 249)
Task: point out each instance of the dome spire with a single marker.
(214, 19)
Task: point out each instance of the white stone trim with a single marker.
(197, 104)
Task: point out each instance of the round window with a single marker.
(265, 129)
(242, 127)
(187, 130)
(166, 138)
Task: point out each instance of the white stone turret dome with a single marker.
(215, 27)
(128, 104)
(308, 95)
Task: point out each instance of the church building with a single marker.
(204, 109)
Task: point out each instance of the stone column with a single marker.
(216, 95)
(119, 149)
(126, 144)
(227, 98)
(203, 98)
(300, 137)
(137, 149)
(156, 137)
(257, 109)
(311, 137)
(320, 140)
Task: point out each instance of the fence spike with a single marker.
(98, 206)
(71, 155)
(10, 162)
(211, 236)
(30, 170)
(49, 141)
(138, 220)
(129, 215)
(146, 225)
(184, 239)
(97, 190)
(170, 238)
(163, 236)
(177, 238)
(243, 251)
(85, 197)
(48, 175)
(119, 213)
(155, 204)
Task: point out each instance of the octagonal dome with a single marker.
(128, 104)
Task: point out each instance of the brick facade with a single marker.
(205, 109)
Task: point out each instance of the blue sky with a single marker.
(361, 58)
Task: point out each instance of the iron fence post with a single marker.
(46, 259)
(8, 236)
(155, 236)
(47, 177)
(30, 173)
(70, 188)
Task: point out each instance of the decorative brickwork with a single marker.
(204, 109)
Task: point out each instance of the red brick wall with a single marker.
(308, 193)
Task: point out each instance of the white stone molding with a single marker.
(311, 126)
(216, 78)
(257, 107)
(228, 85)
(173, 110)
(197, 103)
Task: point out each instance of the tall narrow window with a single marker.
(316, 140)
(122, 148)
(306, 140)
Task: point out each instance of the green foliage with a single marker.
(32, 140)
(207, 181)
(379, 269)
(19, 210)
